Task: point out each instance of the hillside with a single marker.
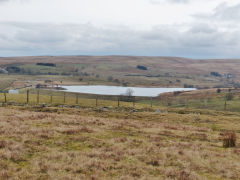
(122, 70)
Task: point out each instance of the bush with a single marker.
(13, 69)
(116, 81)
(216, 74)
(142, 67)
(48, 81)
(2, 144)
(46, 64)
(229, 96)
(229, 139)
(110, 78)
(219, 90)
(188, 86)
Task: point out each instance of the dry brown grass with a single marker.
(90, 145)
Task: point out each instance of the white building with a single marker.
(13, 91)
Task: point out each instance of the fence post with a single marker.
(118, 101)
(96, 101)
(51, 98)
(27, 96)
(133, 101)
(38, 97)
(151, 102)
(76, 98)
(64, 97)
(225, 105)
(5, 97)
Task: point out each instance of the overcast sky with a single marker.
(186, 28)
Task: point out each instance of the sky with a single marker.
(184, 28)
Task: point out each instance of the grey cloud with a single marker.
(7, 1)
(199, 40)
(203, 28)
(169, 1)
(4, 1)
(222, 13)
(178, 1)
(227, 12)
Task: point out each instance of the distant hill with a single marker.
(165, 71)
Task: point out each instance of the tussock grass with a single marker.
(229, 139)
(88, 144)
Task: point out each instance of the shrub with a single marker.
(142, 67)
(229, 139)
(229, 96)
(188, 86)
(46, 64)
(216, 74)
(48, 81)
(219, 90)
(110, 78)
(116, 81)
(2, 144)
(13, 69)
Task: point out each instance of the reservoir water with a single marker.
(118, 90)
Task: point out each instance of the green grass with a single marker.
(70, 100)
(213, 102)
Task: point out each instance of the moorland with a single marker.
(179, 135)
(121, 71)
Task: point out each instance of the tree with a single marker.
(129, 92)
(127, 96)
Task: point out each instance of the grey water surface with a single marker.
(118, 90)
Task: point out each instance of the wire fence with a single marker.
(61, 98)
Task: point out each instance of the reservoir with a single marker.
(118, 90)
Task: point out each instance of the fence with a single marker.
(57, 98)
(60, 98)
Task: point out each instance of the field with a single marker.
(121, 70)
(58, 135)
(87, 144)
(227, 99)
